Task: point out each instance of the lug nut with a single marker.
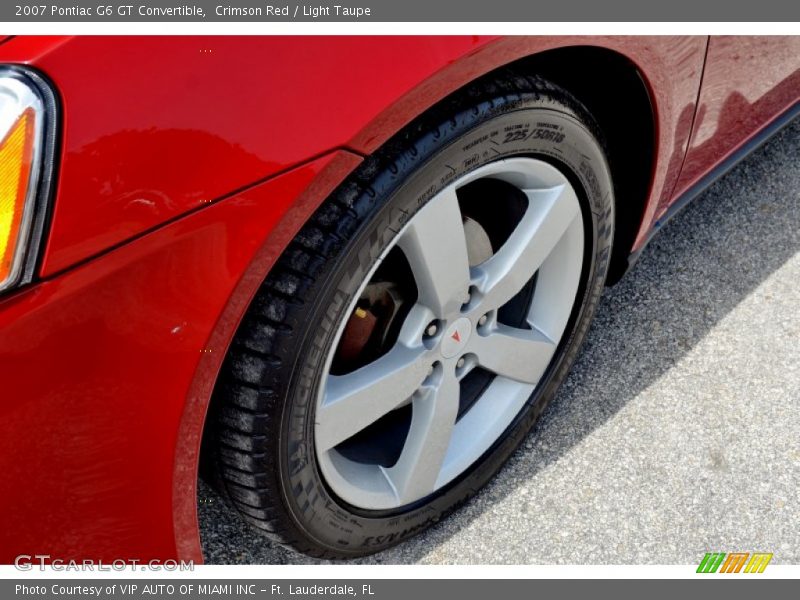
(431, 330)
(482, 320)
(467, 300)
(461, 362)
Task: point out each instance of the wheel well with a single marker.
(614, 91)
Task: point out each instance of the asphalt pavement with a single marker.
(677, 432)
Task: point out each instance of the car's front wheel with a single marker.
(412, 333)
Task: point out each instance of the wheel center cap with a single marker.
(456, 337)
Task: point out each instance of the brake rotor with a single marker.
(367, 329)
(479, 246)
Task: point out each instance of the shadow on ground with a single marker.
(697, 270)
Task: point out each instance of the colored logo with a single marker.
(456, 337)
(714, 562)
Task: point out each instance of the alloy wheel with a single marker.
(453, 330)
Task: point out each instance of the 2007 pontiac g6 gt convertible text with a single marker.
(338, 277)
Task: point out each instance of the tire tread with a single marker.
(256, 371)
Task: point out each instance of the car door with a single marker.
(748, 81)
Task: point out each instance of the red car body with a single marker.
(185, 167)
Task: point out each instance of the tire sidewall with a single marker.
(530, 127)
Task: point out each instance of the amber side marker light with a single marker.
(21, 116)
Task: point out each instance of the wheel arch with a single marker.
(576, 68)
(612, 86)
(627, 120)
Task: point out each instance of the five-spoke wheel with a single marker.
(453, 328)
(411, 334)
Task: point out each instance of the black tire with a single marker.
(259, 438)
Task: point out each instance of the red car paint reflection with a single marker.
(186, 166)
